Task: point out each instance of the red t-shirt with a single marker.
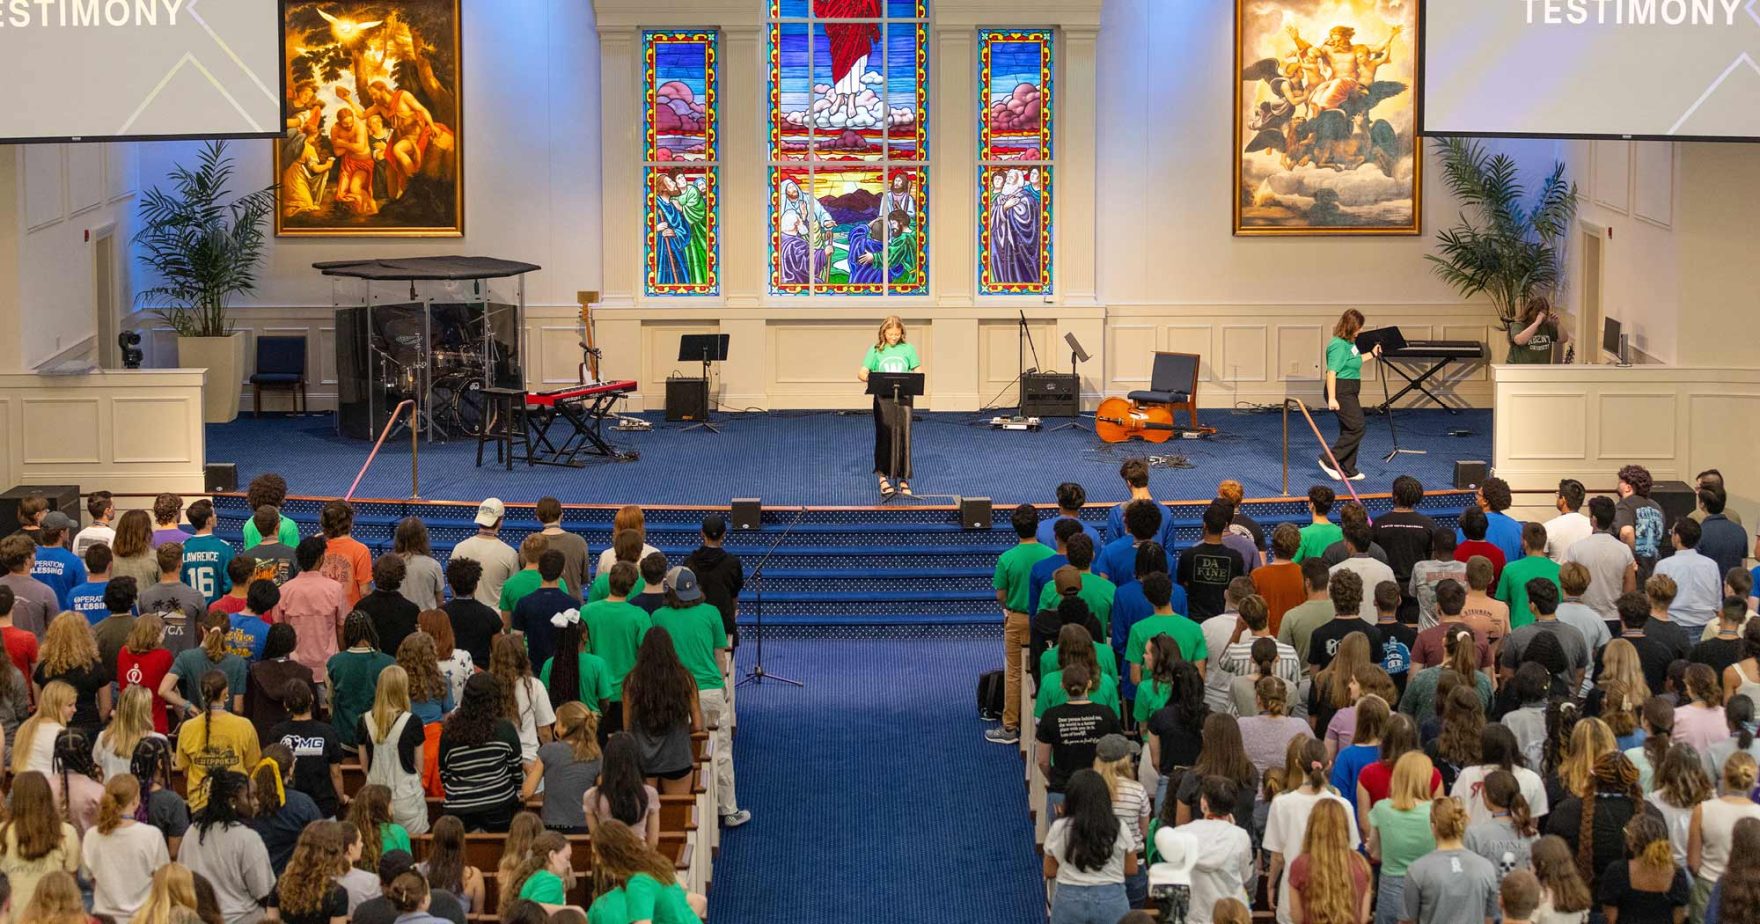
(347, 562)
(1377, 780)
(228, 605)
(1471, 547)
(21, 647)
(146, 670)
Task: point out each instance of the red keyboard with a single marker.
(578, 393)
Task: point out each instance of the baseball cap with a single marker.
(1067, 579)
(57, 520)
(490, 511)
(683, 584)
(393, 863)
(1116, 747)
(714, 525)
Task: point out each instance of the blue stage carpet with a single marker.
(824, 459)
(874, 796)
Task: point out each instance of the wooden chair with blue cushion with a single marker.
(281, 363)
(1173, 383)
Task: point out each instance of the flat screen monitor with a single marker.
(1610, 332)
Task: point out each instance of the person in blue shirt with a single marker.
(1040, 575)
(249, 632)
(88, 599)
(1502, 530)
(56, 565)
(1143, 520)
(1135, 473)
(205, 555)
(1071, 498)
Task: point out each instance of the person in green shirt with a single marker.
(1531, 340)
(592, 678)
(354, 675)
(700, 640)
(268, 490)
(891, 353)
(1300, 621)
(543, 877)
(1160, 654)
(527, 579)
(1158, 590)
(1076, 646)
(1096, 591)
(615, 628)
(626, 546)
(1344, 383)
(1320, 533)
(650, 890)
(1512, 586)
(1012, 583)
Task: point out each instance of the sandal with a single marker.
(904, 487)
(886, 489)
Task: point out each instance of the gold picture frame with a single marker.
(375, 104)
(1325, 136)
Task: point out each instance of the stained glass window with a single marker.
(1014, 161)
(849, 147)
(680, 157)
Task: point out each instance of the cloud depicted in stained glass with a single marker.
(1017, 112)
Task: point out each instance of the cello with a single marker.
(1118, 420)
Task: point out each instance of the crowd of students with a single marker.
(178, 713)
(1389, 721)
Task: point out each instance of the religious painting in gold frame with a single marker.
(1324, 118)
(373, 134)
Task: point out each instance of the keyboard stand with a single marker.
(586, 420)
(1415, 384)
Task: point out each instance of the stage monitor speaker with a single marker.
(687, 399)
(1051, 394)
(974, 513)
(1677, 499)
(220, 476)
(62, 497)
(1469, 474)
(747, 512)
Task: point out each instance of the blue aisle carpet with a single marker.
(874, 796)
(824, 459)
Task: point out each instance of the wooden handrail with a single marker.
(414, 450)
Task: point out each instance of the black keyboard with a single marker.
(1440, 349)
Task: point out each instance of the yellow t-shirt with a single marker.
(228, 742)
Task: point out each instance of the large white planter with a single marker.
(223, 358)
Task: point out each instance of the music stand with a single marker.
(1391, 341)
(897, 385)
(706, 349)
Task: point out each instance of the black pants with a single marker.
(1350, 425)
(886, 413)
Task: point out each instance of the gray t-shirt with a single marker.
(236, 863)
(566, 780)
(1451, 887)
(575, 563)
(1498, 842)
(1607, 559)
(180, 606)
(34, 603)
(1576, 650)
(499, 562)
(423, 582)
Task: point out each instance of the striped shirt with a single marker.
(483, 777)
(1131, 805)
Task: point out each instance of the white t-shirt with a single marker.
(457, 669)
(1217, 630)
(112, 763)
(1469, 786)
(1563, 531)
(1056, 844)
(499, 562)
(42, 756)
(122, 864)
(1225, 865)
(90, 536)
(533, 712)
(608, 557)
(1373, 572)
(1284, 829)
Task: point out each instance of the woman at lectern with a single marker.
(1533, 338)
(1344, 382)
(891, 353)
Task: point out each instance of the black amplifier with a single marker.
(1051, 394)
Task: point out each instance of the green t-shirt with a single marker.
(696, 634)
(595, 679)
(1538, 349)
(518, 587)
(286, 530)
(648, 900)
(545, 888)
(1014, 569)
(1405, 836)
(601, 587)
(616, 631)
(1512, 587)
(1316, 539)
(1051, 694)
(1151, 696)
(1108, 661)
(354, 677)
(1097, 592)
(393, 837)
(1343, 360)
(1184, 632)
(901, 357)
(610, 908)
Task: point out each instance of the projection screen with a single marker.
(1682, 69)
(107, 69)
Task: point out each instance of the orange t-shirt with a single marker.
(1281, 586)
(347, 562)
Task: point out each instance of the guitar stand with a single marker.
(1077, 424)
(1392, 431)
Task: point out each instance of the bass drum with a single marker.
(457, 402)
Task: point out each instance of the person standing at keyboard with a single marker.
(1344, 383)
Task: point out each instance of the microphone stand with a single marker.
(757, 675)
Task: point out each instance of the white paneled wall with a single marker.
(138, 431)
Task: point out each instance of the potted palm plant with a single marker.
(205, 249)
(1502, 248)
